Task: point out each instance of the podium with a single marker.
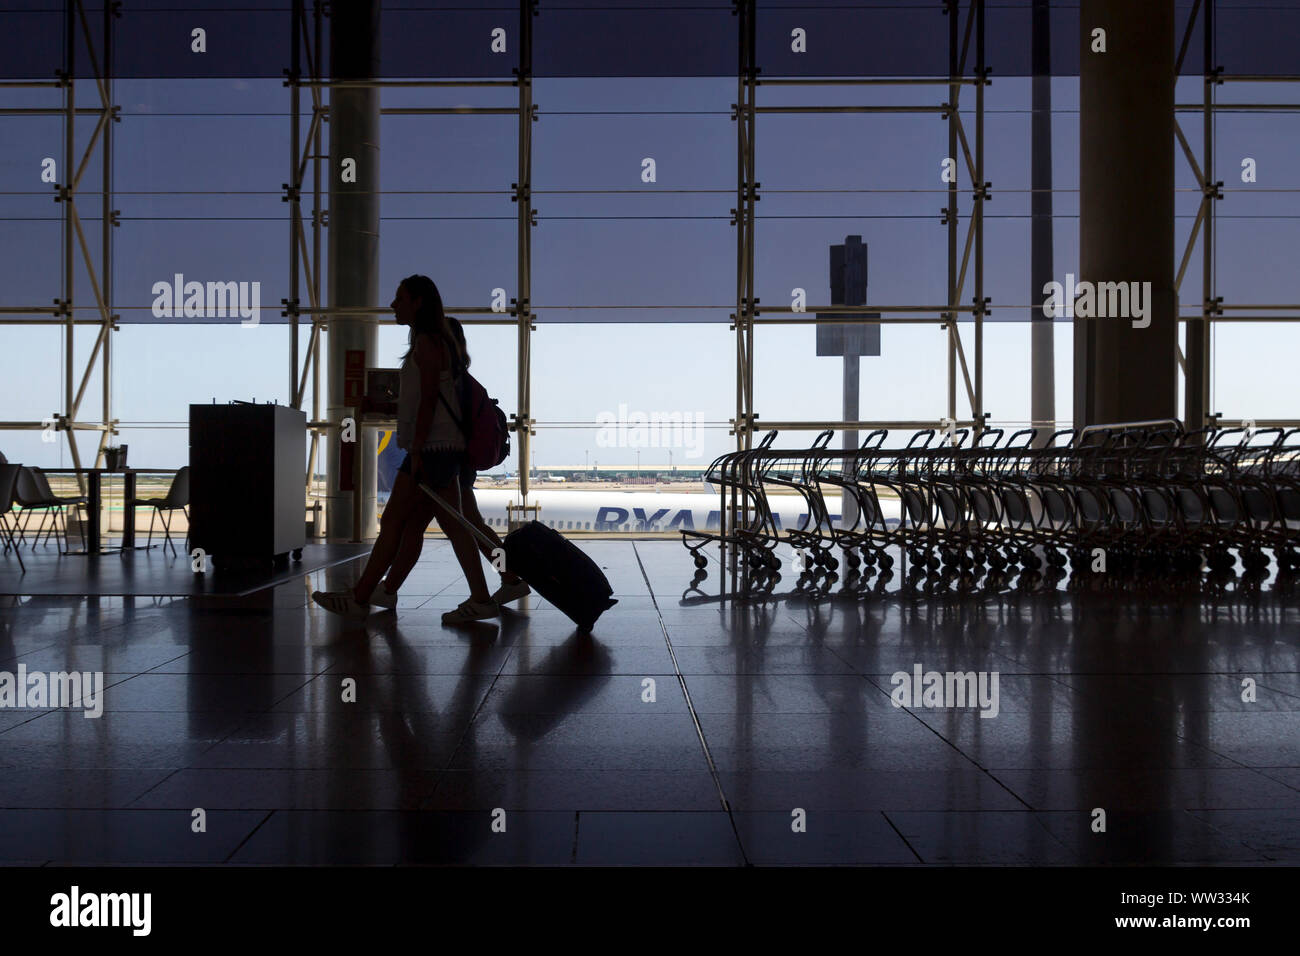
(248, 477)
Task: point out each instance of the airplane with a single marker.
(617, 511)
(638, 511)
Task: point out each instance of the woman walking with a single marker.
(428, 408)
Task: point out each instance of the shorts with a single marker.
(437, 468)
(467, 475)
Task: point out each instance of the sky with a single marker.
(198, 168)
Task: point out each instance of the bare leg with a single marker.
(462, 542)
(412, 543)
(396, 515)
(469, 508)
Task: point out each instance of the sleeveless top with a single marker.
(444, 434)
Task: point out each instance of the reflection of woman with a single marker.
(427, 409)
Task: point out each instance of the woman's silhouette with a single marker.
(428, 408)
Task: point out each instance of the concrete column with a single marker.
(1126, 223)
(353, 256)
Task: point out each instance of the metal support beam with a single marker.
(74, 388)
(107, 222)
(293, 190)
(1042, 329)
(950, 212)
(65, 193)
(523, 256)
(1196, 367)
(981, 197)
(314, 56)
(746, 110)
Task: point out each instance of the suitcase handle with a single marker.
(459, 517)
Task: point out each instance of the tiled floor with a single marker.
(684, 730)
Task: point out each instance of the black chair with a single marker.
(177, 499)
(34, 494)
(8, 490)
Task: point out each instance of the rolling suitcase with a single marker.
(551, 565)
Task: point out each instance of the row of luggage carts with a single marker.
(1131, 501)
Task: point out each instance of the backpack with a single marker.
(487, 436)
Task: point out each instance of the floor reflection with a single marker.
(693, 725)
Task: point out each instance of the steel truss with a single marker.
(100, 273)
(310, 36)
(1195, 363)
(965, 43)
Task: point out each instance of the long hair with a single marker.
(431, 319)
(458, 331)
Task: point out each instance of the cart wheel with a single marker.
(1254, 560)
(297, 554)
